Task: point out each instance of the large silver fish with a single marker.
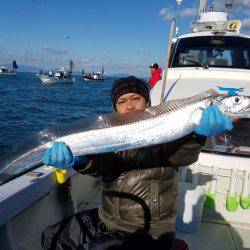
(116, 132)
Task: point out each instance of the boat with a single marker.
(94, 77)
(214, 55)
(9, 71)
(62, 76)
(42, 197)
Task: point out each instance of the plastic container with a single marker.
(190, 206)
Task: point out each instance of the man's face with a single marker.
(130, 102)
(152, 70)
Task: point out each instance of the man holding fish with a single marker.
(147, 176)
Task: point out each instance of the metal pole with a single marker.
(167, 60)
(178, 17)
(229, 5)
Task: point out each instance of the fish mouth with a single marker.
(245, 113)
(240, 114)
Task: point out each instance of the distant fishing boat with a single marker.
(8, 71)
(61, 76)
(98, 76)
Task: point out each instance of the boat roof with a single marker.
(212, 33)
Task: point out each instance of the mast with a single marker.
(212, 7)
(202, 8)
(71, 66)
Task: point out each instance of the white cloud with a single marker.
(46, 61)
(143, 50)
(186, 12)
(55, 50)
(35, 59)
(167, 14)
(242, 7)
(246, 22)
(245, 25)
(190, 11)
(242, 4)
(84, 63)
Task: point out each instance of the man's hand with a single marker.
(213, 122)
(59, 156)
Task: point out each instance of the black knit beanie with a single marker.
(127, 85)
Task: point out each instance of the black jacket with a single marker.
(140, 185)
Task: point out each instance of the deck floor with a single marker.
(217, 237)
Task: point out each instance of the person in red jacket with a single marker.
(155, 74)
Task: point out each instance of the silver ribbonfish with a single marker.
(116, 132)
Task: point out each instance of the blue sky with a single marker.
(124, 36)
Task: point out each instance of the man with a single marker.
(155, 74)
(140, 185)
(50, 73)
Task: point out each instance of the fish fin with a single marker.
(179, 103)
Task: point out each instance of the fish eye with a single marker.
(237, 99)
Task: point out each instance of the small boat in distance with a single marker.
(98, 76)
(8, 71)
(61, 76)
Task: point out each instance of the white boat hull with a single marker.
(8, 74)
(92, 80)
(53, 79)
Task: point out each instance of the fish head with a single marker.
(234, 106)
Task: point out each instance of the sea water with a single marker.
(28, 106)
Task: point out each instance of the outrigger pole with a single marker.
(167, 60)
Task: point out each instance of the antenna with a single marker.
(212, 7)
(202, 8)
(229, 5)
(178, 17)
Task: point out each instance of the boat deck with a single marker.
(217, 236)
(214, 235)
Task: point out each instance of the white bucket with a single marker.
(191, 199)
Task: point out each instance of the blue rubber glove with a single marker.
(60, 156)
(213, 122)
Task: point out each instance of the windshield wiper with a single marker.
(203, 65)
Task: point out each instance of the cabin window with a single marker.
(222, 52)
